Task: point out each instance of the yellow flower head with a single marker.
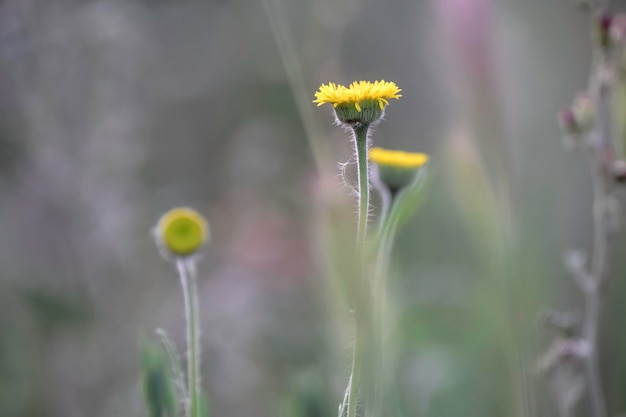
(182, 231)
(395, 170)
(398, 159)
(357, 93)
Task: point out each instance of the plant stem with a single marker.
(597, 271)
(385, 243)
(360, 137)
(593, 291)
(187, 272)
(362, 289)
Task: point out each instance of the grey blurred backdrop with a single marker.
(114, 111)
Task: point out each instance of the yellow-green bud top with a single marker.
(181, 231)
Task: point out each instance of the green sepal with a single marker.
(348, 114)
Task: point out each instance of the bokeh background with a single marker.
(114, 111)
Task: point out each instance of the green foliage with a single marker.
(158, 385)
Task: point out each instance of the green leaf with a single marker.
(158, 385)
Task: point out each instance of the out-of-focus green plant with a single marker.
(158, 381)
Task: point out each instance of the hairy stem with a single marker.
(361, 286)
(187, 272)
(360, 137)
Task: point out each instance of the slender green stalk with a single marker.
(187, 272)
(360, 137)
(387, 233)
(380, 316)
(361, 286)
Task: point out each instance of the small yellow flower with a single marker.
(394, 170)
(397, 159)
(182, 231)
(357, 93)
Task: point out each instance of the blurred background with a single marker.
(114, 111)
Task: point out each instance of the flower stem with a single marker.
(187, 271)
(362, 290)
(360, 137)
(385, 243)
(593, 291)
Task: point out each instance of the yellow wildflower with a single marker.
(182, 231)
(398, 159)
(394, 170)
(357, 93)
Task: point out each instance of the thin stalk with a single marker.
(187, 272)
(593, 291)
(362, 286)
(385, 244)
(597, 274)
(360, 137)
(386, 239)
